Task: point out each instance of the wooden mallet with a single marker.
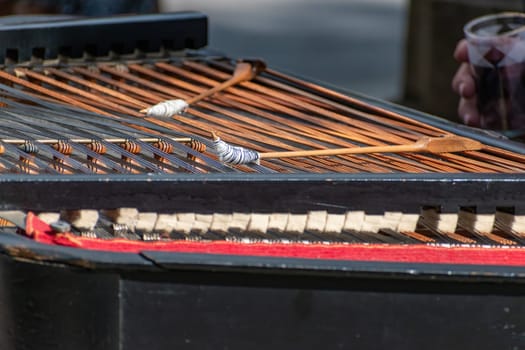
(244, 71)
(445, 144)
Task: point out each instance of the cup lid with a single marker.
(496, 25)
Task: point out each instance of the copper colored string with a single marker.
(305, 97)
(409, 131)
(136, 93)
(389, 134)
(96, 87)
(167, 79)
(114, 100)
(332, 141)
(353, 101)
(259, 115)
(232, 93)
(194, 64)
(250, 83)
(461, 159)
(255, 136)
(163, 65)
(101, 103)
(435, 163)
(239, 137)
(341, 143)
(506, 157)
(415, 128)
(155, 88)
(48, 92)
(83, 93)
(189, 87)
(151, 85)
(500, 162)
(472, 163)
(148, 83)
(356, 127)
(358, 134)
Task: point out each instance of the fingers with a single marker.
(463, 82)
(464, 85)
(468, 111)
(461, 51)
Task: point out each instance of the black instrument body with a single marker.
(54, 297)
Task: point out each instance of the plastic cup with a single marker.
(496, 48)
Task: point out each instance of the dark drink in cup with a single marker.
(496, 46)
(501, 96)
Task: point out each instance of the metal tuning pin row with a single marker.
(95, 156)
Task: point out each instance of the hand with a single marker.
(464, 85)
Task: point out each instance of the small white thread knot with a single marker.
(234, 154)
(167, 108)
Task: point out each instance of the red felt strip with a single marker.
(417, 253)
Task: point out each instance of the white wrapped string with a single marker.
(234, 154)
(166, 109)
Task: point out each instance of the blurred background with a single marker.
(397, 50)
(353, 44)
